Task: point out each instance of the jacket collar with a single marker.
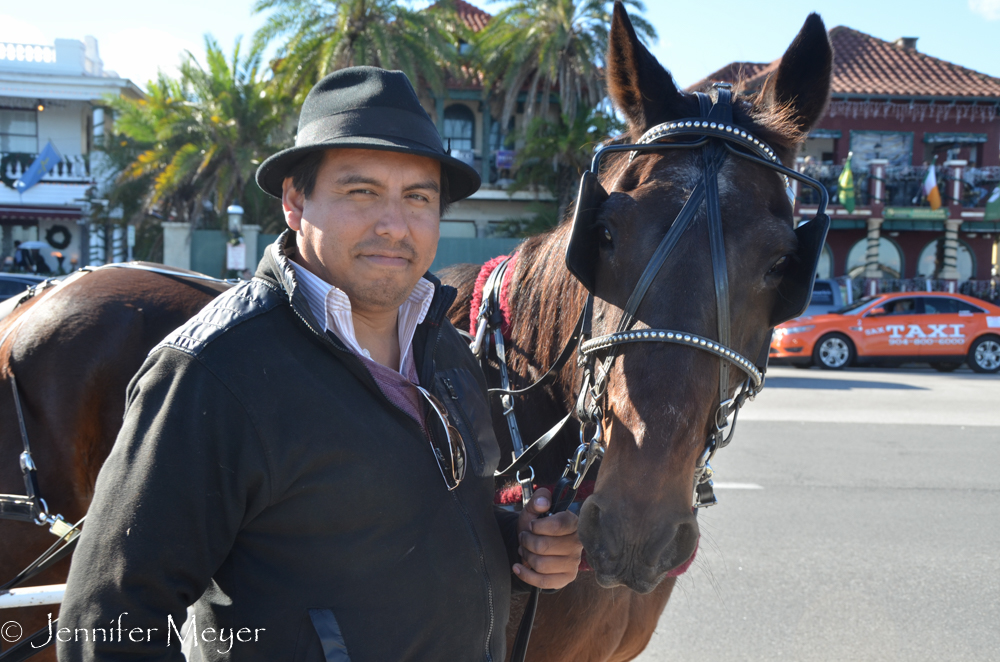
(275, 267)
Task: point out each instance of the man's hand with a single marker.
(550, 549)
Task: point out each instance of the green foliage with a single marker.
(323, 36)
(543, 216)
(550, 45)
(556, 152)
(194, 143)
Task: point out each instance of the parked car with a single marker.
(939, 328)
(13, 284)
(827, 296)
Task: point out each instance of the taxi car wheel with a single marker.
(833, 351)
(984, 355)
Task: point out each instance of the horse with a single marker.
(638, 527)
(72, 348)
(74, 356)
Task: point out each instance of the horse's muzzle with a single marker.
(638, 554)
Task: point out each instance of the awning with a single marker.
(825, 133)
(954, 138)
(10, 213)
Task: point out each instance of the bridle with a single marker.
(717, 138)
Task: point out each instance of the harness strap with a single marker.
(717, 245)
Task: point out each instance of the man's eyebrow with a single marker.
(347, 180)
(428, 184)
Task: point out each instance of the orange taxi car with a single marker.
(939, 328)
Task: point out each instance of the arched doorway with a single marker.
(931, 260)
(824, 268)
(890, 259)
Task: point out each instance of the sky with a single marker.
(695, 38)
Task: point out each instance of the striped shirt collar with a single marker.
(332, 308)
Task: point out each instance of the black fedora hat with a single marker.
(367, 108)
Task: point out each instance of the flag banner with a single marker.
(931, 188)
(43, 165)
(993, 205)
(845, 184)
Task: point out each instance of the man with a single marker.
(309, 461)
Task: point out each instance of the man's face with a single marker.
(371, 224)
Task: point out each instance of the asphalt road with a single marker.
(861, 521)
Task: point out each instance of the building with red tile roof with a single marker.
(474, 18)
(899, 110)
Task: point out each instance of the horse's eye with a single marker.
(779, 267)
(605, 235)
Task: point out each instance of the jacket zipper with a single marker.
(486, 574)
(458, 502)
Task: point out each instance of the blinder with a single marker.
(796, 286)
(583, 252)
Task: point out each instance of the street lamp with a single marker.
(235, 213)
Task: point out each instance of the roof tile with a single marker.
(867, 65)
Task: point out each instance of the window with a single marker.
(890, 259)
(465, 229)
(459, 127)
(897, 146)
(822, 295)
(18, 131)
(932, 260)
(943, 305)
(905, 306)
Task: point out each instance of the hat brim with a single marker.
(463, 179)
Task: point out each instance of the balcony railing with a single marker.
(903, 185)
(27, 53)
(73, 169)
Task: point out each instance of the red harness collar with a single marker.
(477, 293)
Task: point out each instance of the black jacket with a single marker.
(262, 476)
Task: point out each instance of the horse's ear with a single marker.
(639, 86)
(802, 84)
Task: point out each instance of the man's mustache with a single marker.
(403, 249)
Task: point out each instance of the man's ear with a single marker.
(292, 202)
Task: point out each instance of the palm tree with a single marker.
(547, 45)
(555, 154)
(326, 35)
(197, 140)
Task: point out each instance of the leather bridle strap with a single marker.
(490, 320)
(679, 338)
(666, 246)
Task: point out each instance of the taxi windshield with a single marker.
(851, 307)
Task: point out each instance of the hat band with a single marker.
(379, 122)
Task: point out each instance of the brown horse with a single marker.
(638, 525)
(76, 353)
(73, 349)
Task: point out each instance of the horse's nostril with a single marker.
(685, 542)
